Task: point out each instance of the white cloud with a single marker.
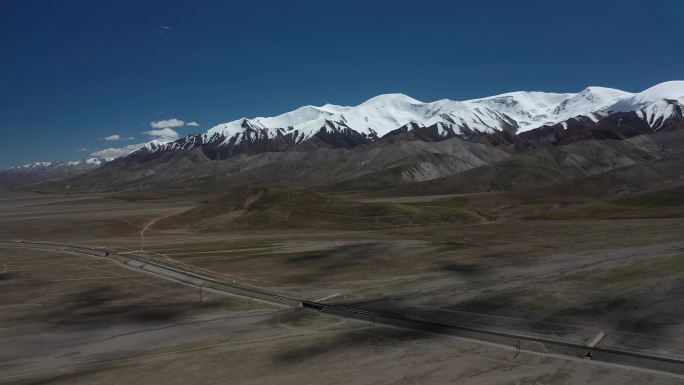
(165, 134)
(163, 29)
(192, 124)
(82, 149)
(168, 123)
(115, 152)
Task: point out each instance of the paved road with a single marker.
(524, 342)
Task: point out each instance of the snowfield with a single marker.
(516, 111)
(513, 112)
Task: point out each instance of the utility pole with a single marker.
(131, 286)
(517, 347)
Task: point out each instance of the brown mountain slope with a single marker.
(562, 165)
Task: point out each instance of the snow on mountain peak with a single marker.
(393, 99)
(32, 165)
(654, 105)
(43, 165)
(588, 102)
(377, 115)
(672, 90)
(518, 111)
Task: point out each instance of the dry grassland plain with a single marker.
(566, 270)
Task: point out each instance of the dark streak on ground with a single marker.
(376, 337)
(102, 305)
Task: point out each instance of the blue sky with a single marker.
(73, 73)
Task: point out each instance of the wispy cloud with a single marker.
(116, 152)
(163, 130)
(162, 29)
(165, 134)
(168, 123)
(82, 149)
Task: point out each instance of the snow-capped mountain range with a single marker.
(513, 112)
(381, 116)
(82, 162)
(395, 135)
(47, 171)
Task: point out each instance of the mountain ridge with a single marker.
(405, 140)
(514, 113)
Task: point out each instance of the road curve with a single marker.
(525, 342)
